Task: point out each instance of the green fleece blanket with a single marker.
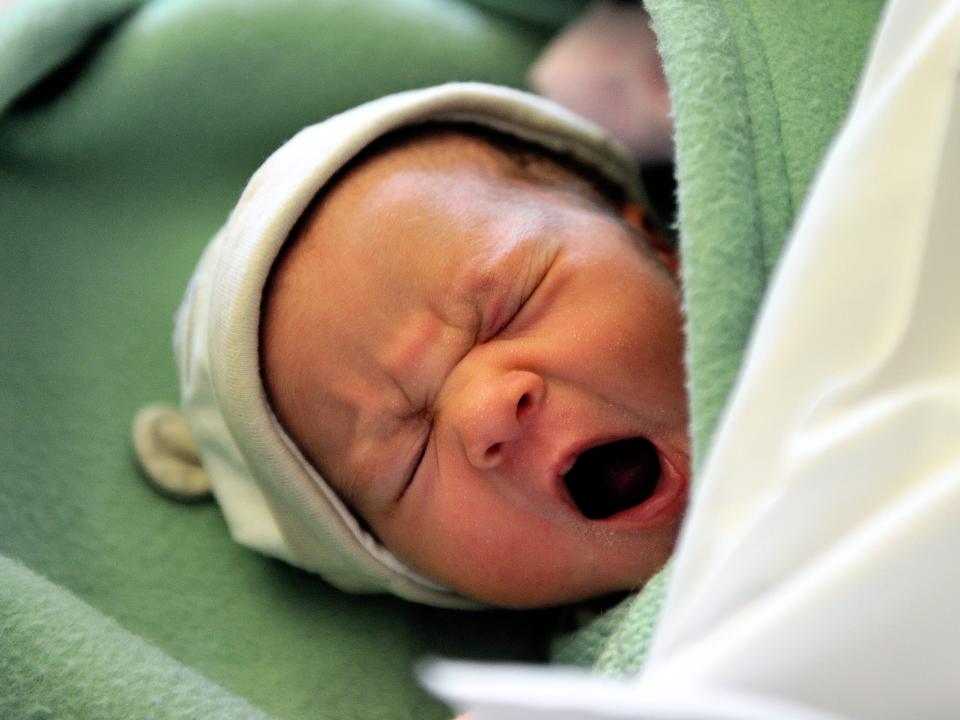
(127, 130)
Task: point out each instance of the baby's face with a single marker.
(489, 371)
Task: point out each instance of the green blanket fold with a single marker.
(62, 659)
(39, 36)
(758, 88)
(127, 130)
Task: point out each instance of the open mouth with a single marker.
(613, 477)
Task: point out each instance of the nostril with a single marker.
(492, 452)
(523, 403)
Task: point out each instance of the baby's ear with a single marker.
(641, 220)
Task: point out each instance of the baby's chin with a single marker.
(540, 596)
(622, 565)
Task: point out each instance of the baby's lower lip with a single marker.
(665, 506)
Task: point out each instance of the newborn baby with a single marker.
(437, 351)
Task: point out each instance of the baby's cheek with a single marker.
(464, 538)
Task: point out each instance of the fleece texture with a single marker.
(62, 659)
(127, 130)
(758, 90)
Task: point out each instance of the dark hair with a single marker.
(529, 160)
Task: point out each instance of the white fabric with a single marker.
(517, 692)
(818, 565)
(273, 499)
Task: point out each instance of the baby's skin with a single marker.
(483, 357)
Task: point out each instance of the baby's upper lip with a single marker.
(569, 454)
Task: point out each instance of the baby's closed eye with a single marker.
(511, 300)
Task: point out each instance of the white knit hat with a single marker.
(273, 498)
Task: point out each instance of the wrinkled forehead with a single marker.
(415, 218)
(437, 169)
(397, 241)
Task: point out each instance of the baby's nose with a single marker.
(495, 412)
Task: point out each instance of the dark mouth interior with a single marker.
(610, 478)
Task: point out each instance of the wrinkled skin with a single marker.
(444, 338)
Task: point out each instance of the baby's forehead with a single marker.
(392, 177)
(471, 155)
(356, 218)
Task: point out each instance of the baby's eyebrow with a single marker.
(366, 476)
(362, 408)
(405, 354)
(399, 409)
